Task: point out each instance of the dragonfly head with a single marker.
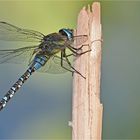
(67, 32)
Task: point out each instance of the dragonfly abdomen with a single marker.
(15, 87)
(37, 63)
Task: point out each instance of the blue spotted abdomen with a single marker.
(37, 63)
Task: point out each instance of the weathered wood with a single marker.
(87, 109)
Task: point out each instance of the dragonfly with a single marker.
(42, 57)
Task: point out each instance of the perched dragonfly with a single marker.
(42, 57)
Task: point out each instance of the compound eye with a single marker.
(67, 32)
(62, 31)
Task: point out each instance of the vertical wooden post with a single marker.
(87, 109)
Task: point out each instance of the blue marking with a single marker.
(13, 88)
(37, 65)
(20, 83)
(28, 74)
(39, 61)
(11, 95)
(67, 32)
(5, 98)
(21, 79)
(29, 70)
(4, 104)
(11, 91)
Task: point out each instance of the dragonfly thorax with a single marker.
(53, 43)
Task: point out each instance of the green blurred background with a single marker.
(42, 108)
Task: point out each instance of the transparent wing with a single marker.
(20, 55)
(9, 32)
(53, 66)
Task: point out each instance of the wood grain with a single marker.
(87, 109)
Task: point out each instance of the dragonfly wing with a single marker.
(20, 55)
(9, 32)
(53, 66)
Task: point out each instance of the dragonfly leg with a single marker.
(64, 66)
(69, 55)
(71, 65)
(76, 53)
(84, 52)
(72, 51)
(101, 40)
(80, 47)
(80, 35)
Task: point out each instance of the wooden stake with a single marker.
(87, 109)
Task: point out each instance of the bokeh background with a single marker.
(42, 108)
